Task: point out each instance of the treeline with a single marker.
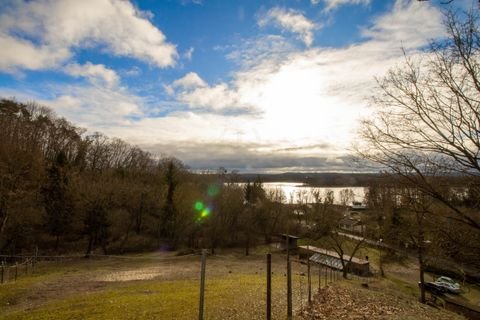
(63, 190)
(315, 179)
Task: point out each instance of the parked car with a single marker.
(449, 285)
(433, 288)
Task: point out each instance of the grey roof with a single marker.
(328, 261)
(332, 254)
(349, 222)
(284, 235)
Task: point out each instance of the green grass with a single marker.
(235, 289)
(11, 292)
(146, 300)
(232, 297)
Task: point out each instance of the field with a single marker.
(153, 286)
(166, 286)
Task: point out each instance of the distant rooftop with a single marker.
(284, 235)
(332, 254)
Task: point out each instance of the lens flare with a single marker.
(198, 206)
(205, 213)
(213, 190)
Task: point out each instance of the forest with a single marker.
(63, 190)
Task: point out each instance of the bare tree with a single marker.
(427, 126)
(347, 196)
(340, 244)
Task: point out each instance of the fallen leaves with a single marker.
(351, 302)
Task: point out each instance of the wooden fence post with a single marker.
(326, 274)
(319, 277)
(202, 285)
(16, 271)
(34, 259)
(269, 286)
(309, 282)
(289, 284)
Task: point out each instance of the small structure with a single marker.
(290, 240)
(352, 224)
(357, 206)
(332, 260)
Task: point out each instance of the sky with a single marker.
(254, 86)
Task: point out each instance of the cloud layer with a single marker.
(42, 34)
(283, 106)
(95, 73)
(333, 4)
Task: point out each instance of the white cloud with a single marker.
(97, 108)
(185, 2)
(190, 81)
(94, 72)
(290, 20)
(410, 24)
(18, 53)
(189, 53)
(317, 94)
(333, 4)
(52, 29)
(132, 72)
(266, 48)
(193, 91)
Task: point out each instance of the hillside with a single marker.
(349, 300)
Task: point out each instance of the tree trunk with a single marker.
(422, 274)
(380, 262)
(57, 240)
(4, 222)
(89, 248)
(124, 241)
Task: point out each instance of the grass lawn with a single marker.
(156, 286)
(165, 286)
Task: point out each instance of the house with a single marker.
(332, 260)
(352, 224)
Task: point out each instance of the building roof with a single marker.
(332, 254)
(284, 235)
(348, 221)
(332, 262)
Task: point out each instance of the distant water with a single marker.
(296, 192)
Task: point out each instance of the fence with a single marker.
(15, 266)
(13, 272)
(300, 278)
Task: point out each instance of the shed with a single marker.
(332, 260)
(291, 240)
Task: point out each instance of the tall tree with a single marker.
(57, 201)
(428, 121)
(172, 169)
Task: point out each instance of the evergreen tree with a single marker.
(57, 201)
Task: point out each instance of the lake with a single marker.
(295, 191)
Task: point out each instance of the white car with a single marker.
(448, 284)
